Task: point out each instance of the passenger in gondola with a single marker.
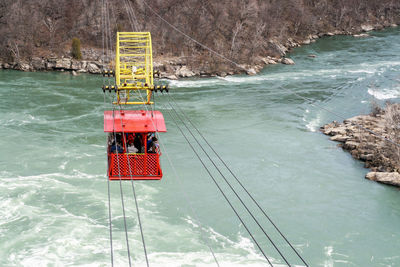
(137, 142)
(131, 148)
(150, 137)
(154, 147)
(116, 148)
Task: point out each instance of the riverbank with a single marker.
(169, 67)
(377, 146)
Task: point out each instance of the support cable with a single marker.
(121, 191)
(237, 179)
(108, 180)
(220, 189)
(230, 186)
(184, 193)
(134, 192)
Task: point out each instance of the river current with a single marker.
(53, 187)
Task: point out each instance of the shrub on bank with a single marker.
(76, 48)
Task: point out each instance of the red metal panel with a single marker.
(142, 167)
(138, 121)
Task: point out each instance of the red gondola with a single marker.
(132, 147)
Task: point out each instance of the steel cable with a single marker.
(237, 179)
(230, 186)
(121, 191)
(108, 180)
(175, 172)
(220, 189)
(134, 193)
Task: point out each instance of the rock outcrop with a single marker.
(391, 178)
(366, 138)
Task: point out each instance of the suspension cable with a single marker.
(103, 34)
(186, 197)
(230, 186)
(236, 178)
(134, 191)
(121, 191)
(220, 189)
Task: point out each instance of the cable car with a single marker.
(132, 145)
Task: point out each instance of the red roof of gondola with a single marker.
(138, 121)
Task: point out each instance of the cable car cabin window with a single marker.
(133, 156)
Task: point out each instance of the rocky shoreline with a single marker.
(381, 156)
(177, 67)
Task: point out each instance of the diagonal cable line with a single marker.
(230, 186)
(176, 175)
(121, 192)
(237, 179)
(103, 33)
(220, 189)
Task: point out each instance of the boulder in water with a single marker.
(287, 61)
(251, 72)
(361, 35)
(392, 178)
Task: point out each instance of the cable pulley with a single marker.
(108, 73)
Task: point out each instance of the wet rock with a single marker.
(330, 34)
(171, 77)
(361, 35)
(366, 146)
(393, 25)
(313, 56)
(24, 66)
(223, 74)
(391, 178)
(81, 71)
(287, 61)
(74, 73)
(306, 42)
(184, 72)
(339, 138)
(367, 27)
(251, 71)
(93, 68)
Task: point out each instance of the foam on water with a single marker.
(384, 94)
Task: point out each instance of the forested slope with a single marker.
(242, 30)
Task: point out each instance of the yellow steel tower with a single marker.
(133, 68)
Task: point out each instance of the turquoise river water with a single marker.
(53, 188)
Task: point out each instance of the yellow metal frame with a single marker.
(133, 67)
